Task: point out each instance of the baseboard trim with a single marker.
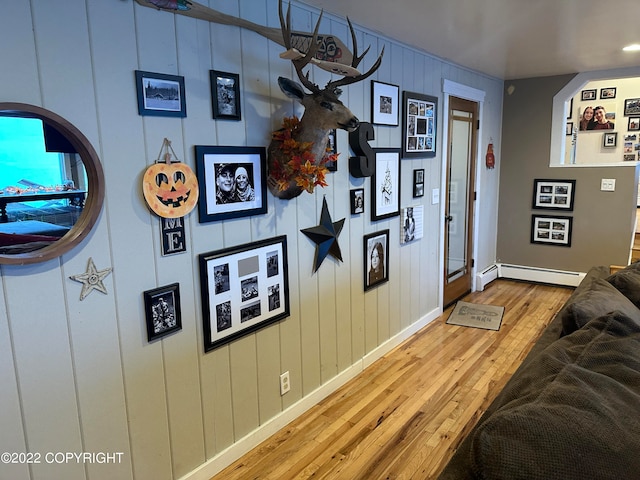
(486, 276)
(540, 275)
(226, 457)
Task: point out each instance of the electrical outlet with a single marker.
(285, 384)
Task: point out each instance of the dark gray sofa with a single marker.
(572, 409)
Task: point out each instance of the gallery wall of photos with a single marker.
(603, 122)
(233, 184)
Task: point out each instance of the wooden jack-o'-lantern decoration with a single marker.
(170, 188)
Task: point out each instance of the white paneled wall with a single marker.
(80, 376)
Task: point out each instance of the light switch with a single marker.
(435, 196)
(608, 185)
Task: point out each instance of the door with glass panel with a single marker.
(459, 198)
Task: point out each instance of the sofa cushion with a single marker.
(572, 413)
(627, 282)
(597, 298)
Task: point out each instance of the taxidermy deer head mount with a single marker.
(298, 152)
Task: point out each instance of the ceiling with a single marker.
(506, 39)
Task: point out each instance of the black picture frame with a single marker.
(356, 201)
(634, 124)
(162, 311)
(568, 130)
(608, 93)
(225, 95)
(419, 125)
(243, 289)
(332, 148)
(385, 103)
(631, 107)
(610, 139)
(385, 184)
(160, 94)
(589, 94)
(418, 182)
(570, 109)
(376, 245)
(551, 230)
(215, 202)
(553, 194)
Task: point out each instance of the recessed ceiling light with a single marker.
(634, 47)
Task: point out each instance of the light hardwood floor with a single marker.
(404, 416)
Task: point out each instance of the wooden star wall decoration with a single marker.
(325, 236)
(91, 279)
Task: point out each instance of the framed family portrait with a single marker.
(357, 201)
(385, 103)
(160, 94)
(385, 184)
(376, 259)
(631, 106)
(225, 95)
(419, 125)
(634, 124)
(232, 181)
(554, 194)
(162, 311)
(244, 289)
(551, 230)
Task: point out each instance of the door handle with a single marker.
(448, 218)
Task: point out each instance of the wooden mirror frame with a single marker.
(95, 179)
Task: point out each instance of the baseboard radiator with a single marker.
(539, 275)
(486, 276)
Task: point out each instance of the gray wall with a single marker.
(602, 221)
(81, 376)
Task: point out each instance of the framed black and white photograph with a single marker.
(411, 224)
(357, 201)
(568, 128)
(385, 103)
(160, 94)
(634, 124)
(225, 95)
(376, 259)
(588, 94)
(162, 311)
(554, 194)
(607, 93)
(418, 182)
(243, 289)
(546, 229)
(419, 125)
(609, 139)
(232, 181)
(385, 184)
(631, 106)
(332, 149)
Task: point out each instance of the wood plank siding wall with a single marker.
(80, 376)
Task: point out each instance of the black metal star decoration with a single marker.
(325, 236)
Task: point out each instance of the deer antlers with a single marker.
(350, 74)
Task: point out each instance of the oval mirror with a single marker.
(51, 184)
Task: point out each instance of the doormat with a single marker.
(475, 315)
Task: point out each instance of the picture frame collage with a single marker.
(240, 294)
(587, 121)
(552, 194)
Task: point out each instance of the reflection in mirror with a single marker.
(51, 185)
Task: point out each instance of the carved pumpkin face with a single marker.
(170, 189)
